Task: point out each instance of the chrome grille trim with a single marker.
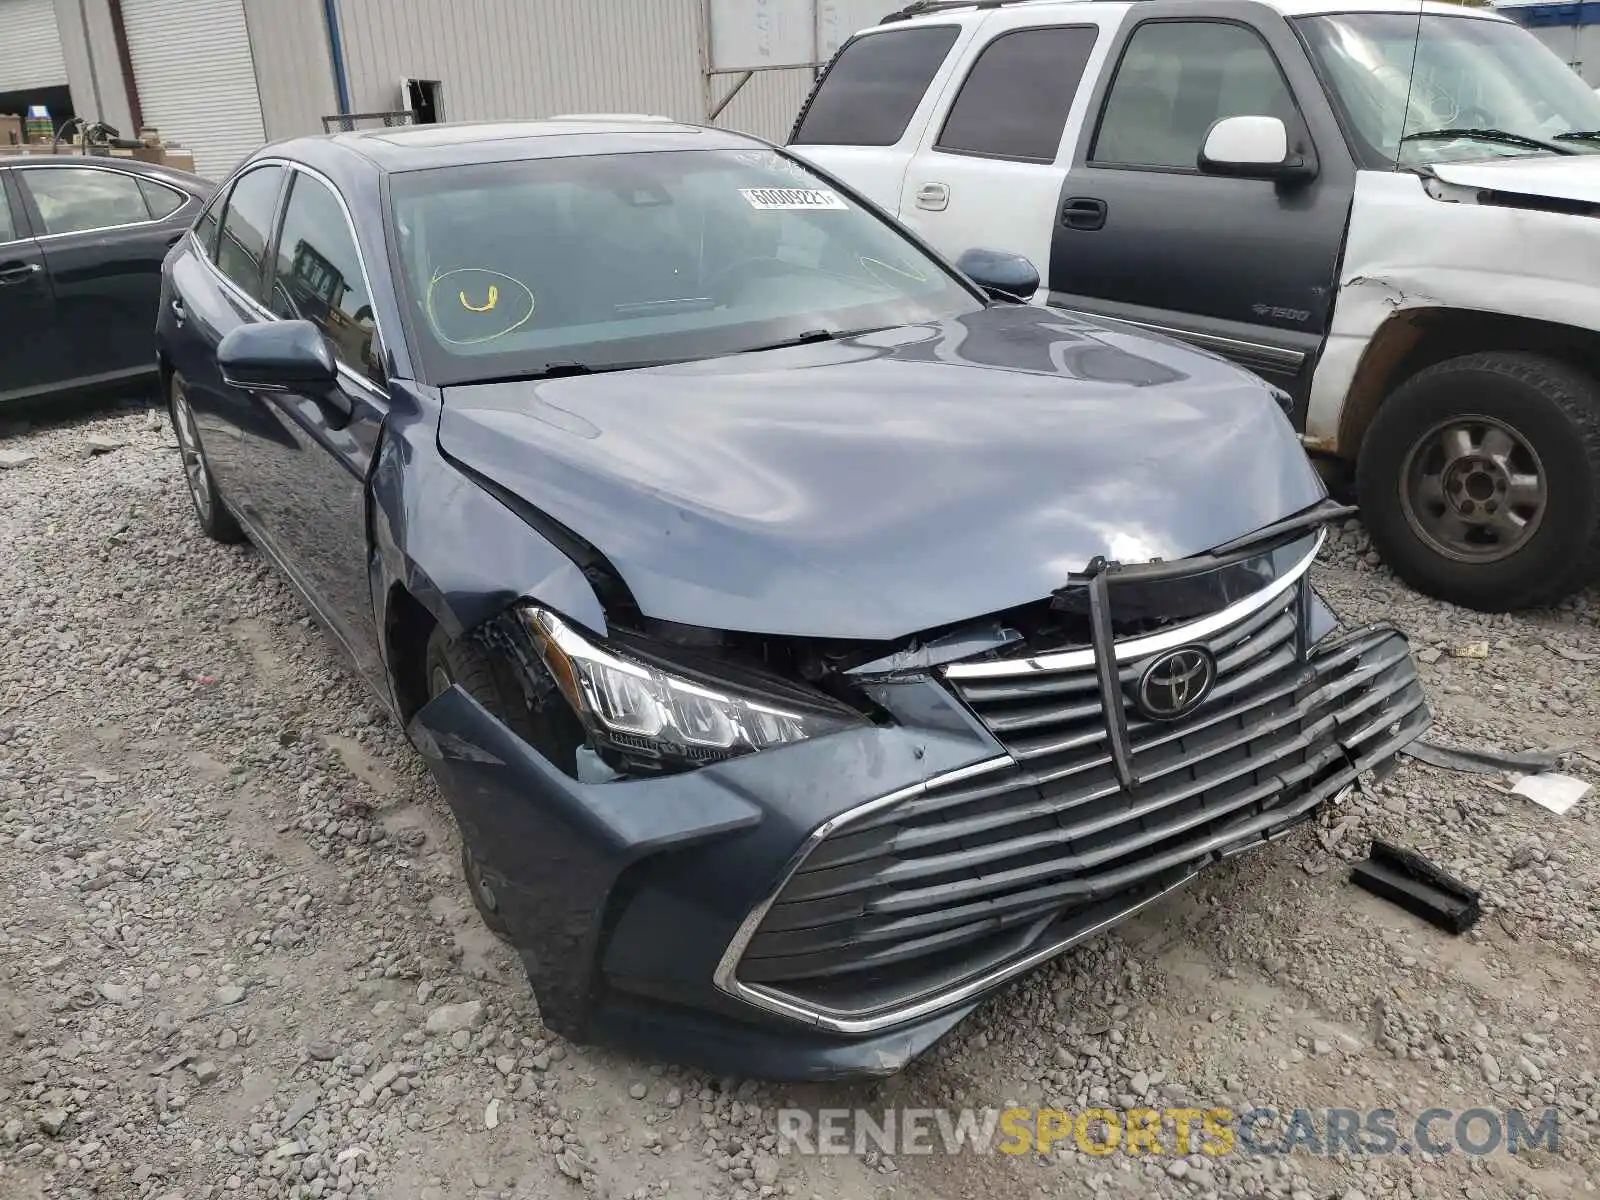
(1137, 648)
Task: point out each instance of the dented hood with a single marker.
(1575, 178)
(895, 482)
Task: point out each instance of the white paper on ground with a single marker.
(1558, 793)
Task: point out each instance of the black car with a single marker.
(81, 244)
(806, 640)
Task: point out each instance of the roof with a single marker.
(1289, 8)
(132, 166)
(421, 147)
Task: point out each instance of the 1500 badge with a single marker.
(1282, 314)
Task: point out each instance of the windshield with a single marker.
(1471, 73)
(614, 260)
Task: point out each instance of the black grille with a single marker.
(967, 875)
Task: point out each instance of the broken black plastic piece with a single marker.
(1107, 673)
(1418, 886)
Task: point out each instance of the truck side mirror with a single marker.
(1252, 148)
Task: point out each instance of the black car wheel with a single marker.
(215, 519)
(460, 662)
(1479, 480)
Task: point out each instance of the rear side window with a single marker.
(1014, 101)
(8, 227)
(78, 199)
(162, 200)
(242, 246)
(870, 91)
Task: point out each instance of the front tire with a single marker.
(461, 662)
(216, 522)
(1479, 480)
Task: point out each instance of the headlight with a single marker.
(646, 712)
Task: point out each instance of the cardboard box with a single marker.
(10, 130)
(179, 160)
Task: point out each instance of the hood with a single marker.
(895, 482)
(1575, 177)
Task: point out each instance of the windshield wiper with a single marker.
(1499, 136)
(1579, 135)
(558, 370)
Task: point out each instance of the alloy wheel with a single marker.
(1473, 489)
(194, 463)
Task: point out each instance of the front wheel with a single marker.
(1479, 480)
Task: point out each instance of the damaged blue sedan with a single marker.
(808, 635)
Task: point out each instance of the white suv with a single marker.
(1386, 209)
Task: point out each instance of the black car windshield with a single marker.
(525, 268)
(1475, 82)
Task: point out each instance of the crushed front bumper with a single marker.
(833, 908)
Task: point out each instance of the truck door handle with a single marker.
(935, 197)
(1083, 212)
(17, 272)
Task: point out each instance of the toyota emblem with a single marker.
(1176, 683)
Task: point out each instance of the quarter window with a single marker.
(1176, 79)
(242, 246)
(318, 275)
(1014, 101)
(8, 228)
(161, 200)
(868, 94)
(75, 199)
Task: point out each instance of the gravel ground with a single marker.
(236, 957)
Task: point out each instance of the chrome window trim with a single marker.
(256, 306)
(134, 175)
(1137, 648)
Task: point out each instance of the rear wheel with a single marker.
(1479, 480)
(215, 519)
(460, 662)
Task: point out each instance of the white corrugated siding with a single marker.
(294, 68)
(767, 105)
(196, 77)
(30, 46)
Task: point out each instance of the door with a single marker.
(309, 480)
(1243, 267)
(196, 78)
(218, 284)
(30, 357)
(867, 113)
(104, 235)
(991, 167)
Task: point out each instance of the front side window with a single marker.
(519, 268)
(871, 90)
(242, 242)
(1014, 102)
(318, 275)
(1470, 75)
(77, 199)
(1177, 79)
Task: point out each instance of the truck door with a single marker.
(867, 113)
(996, 149)
(1244, 267)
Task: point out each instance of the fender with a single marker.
(482, 556)
(1417, 242)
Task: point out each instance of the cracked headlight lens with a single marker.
(645, 711)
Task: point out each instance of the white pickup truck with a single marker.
(1387, 209)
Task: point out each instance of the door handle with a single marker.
(18, 272)
(179, 311)
(1083, 212)
(935, 197)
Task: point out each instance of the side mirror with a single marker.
(1251, 148)
(1003, 276)
(279, 356)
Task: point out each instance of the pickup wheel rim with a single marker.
(194, 462)
(1473, 489)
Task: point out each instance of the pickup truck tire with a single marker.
(1479, 480)
(462, 662)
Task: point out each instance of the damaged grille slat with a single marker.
(967, 874)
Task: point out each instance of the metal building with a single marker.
(1572, 30)
(222, 76)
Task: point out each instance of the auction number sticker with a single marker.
(791, 199)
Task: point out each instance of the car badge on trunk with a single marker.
(1176, 683)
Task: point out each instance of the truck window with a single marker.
(1014, 101)
(873, 86)
(1175, 80)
